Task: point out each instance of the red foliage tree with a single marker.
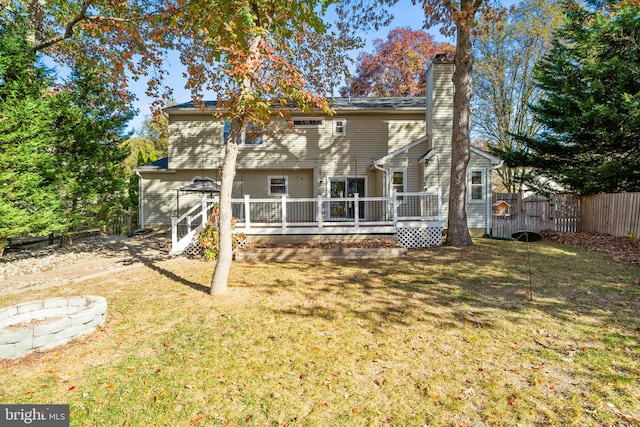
(398, 65)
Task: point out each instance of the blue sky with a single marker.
(405, 15)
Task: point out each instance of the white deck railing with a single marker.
(318, 215)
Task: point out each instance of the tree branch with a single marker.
(81, 16)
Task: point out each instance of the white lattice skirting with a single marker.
(419, 237)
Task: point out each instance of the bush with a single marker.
(210, 236)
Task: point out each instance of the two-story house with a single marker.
(378, 166)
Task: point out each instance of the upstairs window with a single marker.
(308, 122)
(252, 134)
(339, 127)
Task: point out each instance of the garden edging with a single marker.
(318, 254)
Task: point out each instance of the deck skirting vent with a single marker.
(419, 237)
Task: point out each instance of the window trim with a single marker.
(482, 186)
(286, 185)
(321, 123)
(243, 137)
(344, 127)
(392, 171)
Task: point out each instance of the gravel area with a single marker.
(42, 263)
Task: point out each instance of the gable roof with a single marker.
(383, 159)
(362, 104)
(494, 160)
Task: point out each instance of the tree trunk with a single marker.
(3, 244)
(225, 254)
(458, 230)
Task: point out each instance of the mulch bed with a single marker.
(621, 248)
(367, 243)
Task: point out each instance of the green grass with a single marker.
(443, 336)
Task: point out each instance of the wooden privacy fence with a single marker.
(616, 214)
(513, 212)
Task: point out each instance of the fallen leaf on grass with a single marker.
(72, 388)
(196, 420)
(512, 399)
(381, 381)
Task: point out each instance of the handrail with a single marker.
(395, 204)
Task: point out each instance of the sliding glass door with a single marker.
(342, 188)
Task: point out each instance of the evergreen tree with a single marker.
(590, 109)
(29, 202)
(91, 127)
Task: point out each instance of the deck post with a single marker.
(284, 211)
(319, 211)
(394, 200)
(174, 232)
(203, 203)
(356, 209)
(439, 204)
(188, 224)
(247, 209)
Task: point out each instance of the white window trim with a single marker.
(344, 127)
(483, 184)
(404, 179)
(286, 184)
(308, 126)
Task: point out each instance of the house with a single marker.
(379, 165)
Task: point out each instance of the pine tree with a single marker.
(29, 202)
(590, 109)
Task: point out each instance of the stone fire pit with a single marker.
(46, 324)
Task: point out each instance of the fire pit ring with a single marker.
(46, 324)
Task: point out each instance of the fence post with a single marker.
(129, 220)
(284, 211)
(247, 209)
(319, 211)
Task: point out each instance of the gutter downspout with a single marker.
(386, 177)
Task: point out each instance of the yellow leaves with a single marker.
(159, 395)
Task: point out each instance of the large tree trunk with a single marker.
(225, 254)
(458, 230)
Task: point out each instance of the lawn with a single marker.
(442, 336)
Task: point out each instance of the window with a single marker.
(477, 185)
(398, 181)
(308, 122)
(278, 185)
(339, 127)
(252, 134)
